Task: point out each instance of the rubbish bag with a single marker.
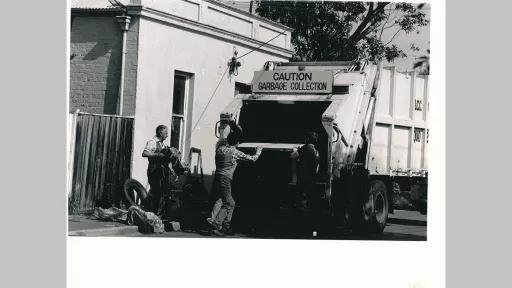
(110, 214)
(147, 222)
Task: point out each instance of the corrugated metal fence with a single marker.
(102, 159)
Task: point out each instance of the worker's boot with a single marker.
(226, 229)
(216, 230)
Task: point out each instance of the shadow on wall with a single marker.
(96, 44)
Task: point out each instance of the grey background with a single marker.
(33, 143)
(33, 125)
(478, 143)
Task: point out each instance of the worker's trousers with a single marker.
(158, 178)
(222, 185)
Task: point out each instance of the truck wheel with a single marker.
(376, 207)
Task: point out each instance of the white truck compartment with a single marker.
(399, 142)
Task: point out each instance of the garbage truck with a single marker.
(372, 126)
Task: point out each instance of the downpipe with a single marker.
(124, 21)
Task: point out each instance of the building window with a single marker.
(242, 88)
(179, 110)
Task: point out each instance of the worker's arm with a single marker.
(149, 154)
(234, 128)
(239, 155)
(317, 160)
(150, 151)
(177, 166)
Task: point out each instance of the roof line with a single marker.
(263, 19)
(90, 9)
(198, 27)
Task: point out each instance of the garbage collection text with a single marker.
(292, 82)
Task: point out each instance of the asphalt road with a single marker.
(403, 225)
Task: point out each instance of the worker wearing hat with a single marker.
(226, 159)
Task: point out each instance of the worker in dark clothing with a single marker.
(164, 162)
(226, 159)
(308, 159)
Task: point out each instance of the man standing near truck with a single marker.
(226, 159)
(308, 159)
(160, 156)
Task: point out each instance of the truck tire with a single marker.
(376, 207)
(131, 185)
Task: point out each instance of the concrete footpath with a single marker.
(86, 226)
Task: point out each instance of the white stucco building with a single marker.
(167, 65)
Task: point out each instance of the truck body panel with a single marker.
(400, 139)
(370, 120)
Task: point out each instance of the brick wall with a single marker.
(96, 64)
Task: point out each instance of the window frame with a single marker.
(184, 118)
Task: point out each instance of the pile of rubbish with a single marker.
(147, 222)
(111, 214)
(185, 209)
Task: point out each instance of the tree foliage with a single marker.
(423, 64)
(329, 31)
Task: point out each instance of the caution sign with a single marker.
(306, 82)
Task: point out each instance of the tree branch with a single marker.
(384, 24)
(370, 18)
(363, 24)
(396, 33)
(395, 20)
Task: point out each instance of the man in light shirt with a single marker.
(160, 156)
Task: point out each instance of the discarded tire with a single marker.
(132, 185)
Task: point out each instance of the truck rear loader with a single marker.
(372, 127)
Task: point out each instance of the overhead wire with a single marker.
(220, 81)
(211, 97)
(279, 34)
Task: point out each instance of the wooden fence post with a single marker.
(71, 155)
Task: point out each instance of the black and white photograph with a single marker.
(249, 120)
